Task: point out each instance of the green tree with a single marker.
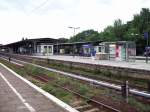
(88, 35)
(119, 30)
(108, 34)
(63, 40)
(131, 31)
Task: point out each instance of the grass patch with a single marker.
(76, 85)
(138, 105)
(100, 74)
(59, 93)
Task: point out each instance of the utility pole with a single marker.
(125, 91)
(74, 31)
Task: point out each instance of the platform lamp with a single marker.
(74, 31)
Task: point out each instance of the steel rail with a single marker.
(101, 83)
(76, 93)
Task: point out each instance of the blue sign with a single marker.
(146, 35)
(87, 46)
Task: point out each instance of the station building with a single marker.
(121, 50)
(40, 46)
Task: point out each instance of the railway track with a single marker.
(76, 104)
(41, 61)
(136, 92)
(80, 105)
(91, 106)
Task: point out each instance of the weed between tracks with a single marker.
(107, 96)
(134, 80)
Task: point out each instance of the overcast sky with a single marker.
(51, 18)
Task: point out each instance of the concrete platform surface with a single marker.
(17, 96)
(138, 64)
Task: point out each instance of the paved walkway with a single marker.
(18, 96)
(138, 64)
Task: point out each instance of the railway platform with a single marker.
(138, 64)
(19, 95)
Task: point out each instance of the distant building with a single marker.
(40, 46)
(76, 48)
(120, 50)
(1, 48)
(49, 46)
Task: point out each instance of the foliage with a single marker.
(138, 105)
(78, 86)
(58, 92)
(63, 40)
(33, 70)
(88, 35)
(131, 31)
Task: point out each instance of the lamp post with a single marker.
(74, 31)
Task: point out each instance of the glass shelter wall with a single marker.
(119, 51)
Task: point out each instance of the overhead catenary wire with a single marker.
(39, 6)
